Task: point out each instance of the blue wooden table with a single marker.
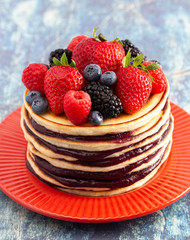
(31, 29)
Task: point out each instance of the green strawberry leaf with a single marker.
(73, 64)
(64, 60)
(124, 62)
(152, 66)
(120, 42)
(127, 60)
(142, 67)
(138, 60)
(56, 61)
(150, 76)
(115, 40)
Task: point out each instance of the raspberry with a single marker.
(33, 77)
(75, 41)
(77, 106)
(160, 82)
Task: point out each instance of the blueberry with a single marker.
(40, 105)
(108, 78)
(92, 73)
(31, 96)
(95, 118)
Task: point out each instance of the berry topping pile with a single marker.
(93, 79)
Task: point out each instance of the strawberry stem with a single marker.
(102, 38)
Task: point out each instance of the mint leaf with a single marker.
(138, 60)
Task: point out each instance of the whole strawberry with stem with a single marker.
(134, 83)
(97, 50)
(59, 80)
(160, 82)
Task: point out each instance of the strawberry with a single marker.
(33, 77)
(97, 50)
(75, 41)
(59, 80)
(160, 82)
(134, 84)
(77, 106)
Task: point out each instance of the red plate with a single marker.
(171, 182)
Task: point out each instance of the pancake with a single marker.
(86, 191)
(120, 155)
(134, 153)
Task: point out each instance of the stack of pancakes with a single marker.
(118, 156)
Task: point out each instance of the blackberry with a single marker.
(103, 100)
(127, 44)
(58, 54)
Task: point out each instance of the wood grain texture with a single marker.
(31, 29)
